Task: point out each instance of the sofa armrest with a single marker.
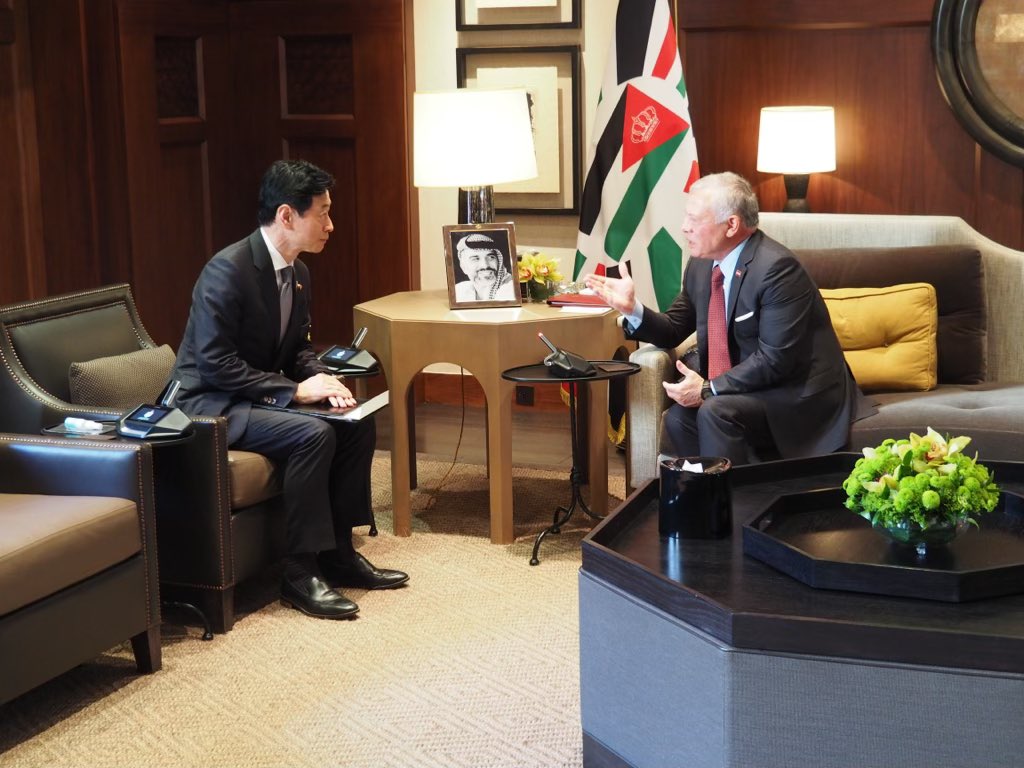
(646, 401)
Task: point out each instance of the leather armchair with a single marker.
(78, 566)
(218, 512)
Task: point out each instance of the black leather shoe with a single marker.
(310, 594)
(359, 573)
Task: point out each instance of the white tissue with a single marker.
(688, 467)
(75, 424)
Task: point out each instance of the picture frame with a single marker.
(516, 14)
(550, 75)
(979, 74)
(471, 251)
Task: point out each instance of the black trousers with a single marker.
(733, 426)
(326, 474)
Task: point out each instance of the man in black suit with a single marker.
(247, 341)
(772, 380)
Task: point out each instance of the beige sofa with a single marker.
(990, 408)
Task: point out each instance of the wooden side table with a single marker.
(410, 330)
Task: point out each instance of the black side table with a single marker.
(541, 374)
(110, 433)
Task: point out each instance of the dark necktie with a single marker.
(286, 299)
(718, 339)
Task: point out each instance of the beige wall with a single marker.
(435, 42)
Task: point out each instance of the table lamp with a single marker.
(472, 139)
(796, 142)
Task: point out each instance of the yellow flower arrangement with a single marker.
(539, 268)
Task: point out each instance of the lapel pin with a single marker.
(298, 286)
(739, 273)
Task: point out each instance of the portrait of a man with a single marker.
(481, 271)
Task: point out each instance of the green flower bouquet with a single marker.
(921, 490)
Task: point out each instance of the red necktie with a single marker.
(718, 339)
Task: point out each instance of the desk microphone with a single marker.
(360, 336)
(566, 365)
(170, 392)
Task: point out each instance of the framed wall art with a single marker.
(550, 75)
(517, 14)
(979, 57)
(481, 266)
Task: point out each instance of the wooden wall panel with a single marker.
(176, 89)
(63, 135)
(899, 146)
(21, 246)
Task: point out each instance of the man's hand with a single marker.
(618, 293)
(686, 391)
(324, 387)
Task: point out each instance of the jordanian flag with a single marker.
(644, 157)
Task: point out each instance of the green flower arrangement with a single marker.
(924, 482)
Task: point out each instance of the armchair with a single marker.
(78, 567)
(218, 514)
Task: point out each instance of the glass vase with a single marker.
(910, 533)
(537, 293)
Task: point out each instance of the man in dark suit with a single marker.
(772, 379)
(247, 341)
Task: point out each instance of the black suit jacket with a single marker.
(230, 356)
(781, 345)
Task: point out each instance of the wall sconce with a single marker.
(472, 139)
(796, 142)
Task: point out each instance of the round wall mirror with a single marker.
(978, 46)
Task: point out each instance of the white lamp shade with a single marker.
(472, 138)
(797, 140)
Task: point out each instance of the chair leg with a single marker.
(146, 647)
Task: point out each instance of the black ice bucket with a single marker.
(695, 505)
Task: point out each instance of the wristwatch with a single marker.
(705, 390)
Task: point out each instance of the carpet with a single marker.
(474, 663)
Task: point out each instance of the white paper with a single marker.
(688, 467)
(575, 309)
(365, 409)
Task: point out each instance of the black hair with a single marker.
(290, 182)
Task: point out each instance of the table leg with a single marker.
(562, 514)
(400, 461)
(499, 460)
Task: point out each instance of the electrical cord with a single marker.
(458, 442)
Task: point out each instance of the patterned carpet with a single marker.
(475, 663)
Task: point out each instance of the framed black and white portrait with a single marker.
(481, 269)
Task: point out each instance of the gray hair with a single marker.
(729, 193)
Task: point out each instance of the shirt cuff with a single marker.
(635, 317)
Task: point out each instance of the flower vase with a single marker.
(535, 292)
(911, 534)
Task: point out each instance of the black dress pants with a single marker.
(733, 426)
(326, 474)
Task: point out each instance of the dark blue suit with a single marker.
(230, 358)
(789, 385)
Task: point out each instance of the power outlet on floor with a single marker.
(524, 395)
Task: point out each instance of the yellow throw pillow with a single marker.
(887, 334)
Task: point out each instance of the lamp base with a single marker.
(796, 192)
(476, 205)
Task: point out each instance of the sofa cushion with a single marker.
(52, 542)
(990, 414)
(887, 334)
(956, 272)
(253, 478)
(121, 381)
